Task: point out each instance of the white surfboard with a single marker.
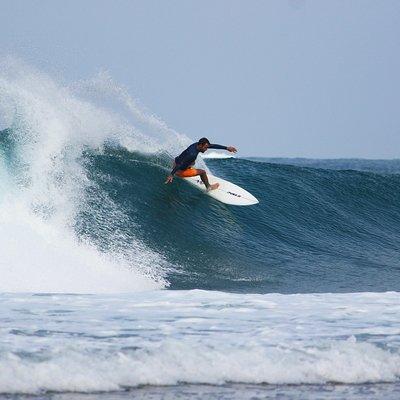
(227, 192)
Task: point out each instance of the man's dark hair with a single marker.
(203, 140)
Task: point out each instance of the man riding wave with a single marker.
(183, 164)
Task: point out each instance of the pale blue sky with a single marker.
(275, 78)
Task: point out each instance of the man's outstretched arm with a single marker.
(220, 147)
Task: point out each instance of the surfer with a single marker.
(183, 164)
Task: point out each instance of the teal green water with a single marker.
(333, 227)
(315, 229)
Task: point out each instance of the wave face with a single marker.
(315, 230)
(82, 172)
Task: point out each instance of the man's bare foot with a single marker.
(213, 187)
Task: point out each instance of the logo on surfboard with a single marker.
(200, 182)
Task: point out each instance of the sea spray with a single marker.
(45, 186)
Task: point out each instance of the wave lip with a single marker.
(46, 191)
(390, 166)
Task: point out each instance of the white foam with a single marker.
(101, 343)
(43, 186)
(217, 155)
(38, 257)
(175, 362)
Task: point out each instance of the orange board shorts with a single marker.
(186, 173)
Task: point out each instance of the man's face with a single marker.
(203, 147)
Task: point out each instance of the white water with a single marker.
(43, 183)
(217, 155)
(107, 342)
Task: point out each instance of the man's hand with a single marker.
(231, 149)
(170, 178)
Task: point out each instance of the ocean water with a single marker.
(114, 285)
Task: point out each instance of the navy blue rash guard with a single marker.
(188, 156)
